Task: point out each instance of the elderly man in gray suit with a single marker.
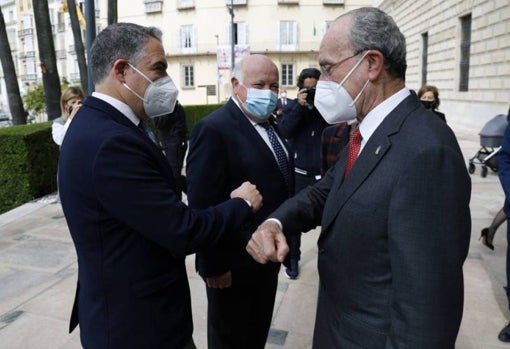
(394, 210)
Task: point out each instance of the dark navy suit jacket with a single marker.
(395, 234)
(226, 150)
(131, 233)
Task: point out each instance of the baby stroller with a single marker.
(491, 138)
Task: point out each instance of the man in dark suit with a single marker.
(130, 232)
(504, 178)
(396, 228)
(301, 124)
(228, 147)
(173, 133)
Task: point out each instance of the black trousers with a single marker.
(239, 317)
(301, 182)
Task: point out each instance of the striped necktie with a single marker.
(281, 156)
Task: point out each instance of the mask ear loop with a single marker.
(144, 76)
(359, 94)
(353, 68)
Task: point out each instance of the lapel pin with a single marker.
(378, 150)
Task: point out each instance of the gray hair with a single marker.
(373, 29)
(117, 41)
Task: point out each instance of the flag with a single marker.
(80, 17)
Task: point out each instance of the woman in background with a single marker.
(70, 102)
(429, 97)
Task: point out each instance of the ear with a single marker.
(119, 69)
(375, 64)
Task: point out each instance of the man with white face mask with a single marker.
(394, 210)
(130, 231)
(238, 142)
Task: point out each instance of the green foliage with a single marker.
(34, 100)
(29, 157)
(194, 113)
(28, 164)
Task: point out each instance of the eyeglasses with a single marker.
(327, 69)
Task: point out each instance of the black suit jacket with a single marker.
(131, 233)
(225, 150)
(394, 237)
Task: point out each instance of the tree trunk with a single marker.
(112, 11)
(51, 80)
(78, 44)
(11, 80)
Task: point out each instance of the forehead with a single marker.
(154, 52)
(260, 70)
(335, 43)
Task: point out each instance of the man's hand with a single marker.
(268, 244)
(220, 281)
(249, 192)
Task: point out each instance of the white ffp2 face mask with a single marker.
(159, 97)
(333, 101)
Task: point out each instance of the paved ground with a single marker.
(38, 275)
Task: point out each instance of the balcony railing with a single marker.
(26, 31)
(61, 54)
(27, 54)
(29, 77)
(74, 77)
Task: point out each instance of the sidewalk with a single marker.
(38, 274)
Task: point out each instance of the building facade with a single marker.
(21, 32)
(463, 48)
(197, 36)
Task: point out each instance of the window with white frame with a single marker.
(287, 74)
(188, 76)
(187, 39)
(287, 35)
(153, 6)
(236, 2)
(333, 2)
(240, 33)
(183, 4)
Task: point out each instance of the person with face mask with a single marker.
(394, 210)
(130, 231)
(302, 125)
(429, 97)
(240, 142)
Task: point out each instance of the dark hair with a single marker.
(307, 74)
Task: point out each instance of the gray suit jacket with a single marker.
(394, 237)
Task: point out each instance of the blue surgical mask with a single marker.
(260, 103)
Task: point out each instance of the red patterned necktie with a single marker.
(353, 150)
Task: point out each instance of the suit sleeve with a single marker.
(303, 211)
(207, 184)
(504, 168)
(290, 120)
(429, 229)
(131, 187)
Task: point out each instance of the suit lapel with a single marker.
(373, 152)
(243, 125)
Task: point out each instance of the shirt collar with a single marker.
(120, 106)
(377, 115)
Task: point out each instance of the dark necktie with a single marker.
(281, 156)
(147, 130)
(353, 150)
